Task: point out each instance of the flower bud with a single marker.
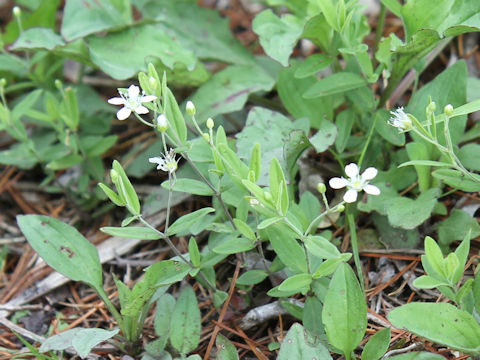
(321, 188)
(3, 82)
(206, 137)
(448, 110)
(190, 108)
(153, 82)
(341, 208)
(17, 12)
(267, 195)
(162, 123)
(431, 107)
(254, 202)
(114, 176)
(210, 123)
(58, 84)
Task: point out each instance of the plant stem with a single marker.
(354, 242)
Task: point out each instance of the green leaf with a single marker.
(335, 84)
(287, 248)
(269, 222)
(312, 64)
(298, 283)
(163, 315)
(434, 256)
(252, 277)
(63, 248)
(245, 230)
(190, 186)
(123, 53)
(177, 126)
(126, 190)
(456, 179)
(418, 355)
(298, 344)
(236, 168)
(407, 213)
(428, 282)
(203, 31)
(226, 350)
(457, 227)
(278, 187)
(325, 136)
(166, 272)
(65, 162)
(469, 155)
(312, 316)
(82, 340)
(186, 325)
(255, 164)
(321, 247)
(38, 38)
(418, 152)
(184, 223)
(278, 36)
(132, 232)
(377, 345)
(228, 90)
(344, 310)
(112, 195)
(329, 266)
(441, 323)
(271, 130)
(344, 122)
(84, 17)
(234, 245)
(387, 131)
(193, 251)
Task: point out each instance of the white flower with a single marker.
(131, 101)
(400, 120)
(162, 123)
(166, 162)
(356, 182)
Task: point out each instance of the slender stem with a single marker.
(143, 121)
(113, 310)
(329, 210)
(369, 138)
(176, 251)
(354, 242)
(293, 227)
(380, 25)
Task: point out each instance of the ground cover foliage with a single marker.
(275, 179)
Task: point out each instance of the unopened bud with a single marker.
(210, 123)
(321, 188)
(267, 195)
(341, 208)
(206, 137)
(114, 176)
(431, 107)
(448, 110)
(17, 12)
(153, 82)
(162, 123)
(3, 82)
(190, 107)
(58, 84)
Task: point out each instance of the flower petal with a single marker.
(133, 92)
(156, 160)
(371, 189)
(148, 98)
(350, 196)
(351, 170)
(369, 173)
(123, 113)
(116, 101)
(141, 110)
(338, 183)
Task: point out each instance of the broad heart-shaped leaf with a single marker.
(407, 213)
(132, 232)
(82, 340)
(271, 130)
(447, 88)
(299, 344)
(63, 248)
(278, 36)
(38, 38)
(290, 89)
(186, 325)
(456, 179)
(228, 90)
(344, 310)
(186, 221)
(469, 155)
(226, 350)
(335, 84)
(456, 227)
(202, 31)
(441, 323)
(123, 53)
(377, 345)
(84, 17)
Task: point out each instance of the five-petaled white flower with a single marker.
(400, 120)
(356, 182)
(131, 101)
(166, 162)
